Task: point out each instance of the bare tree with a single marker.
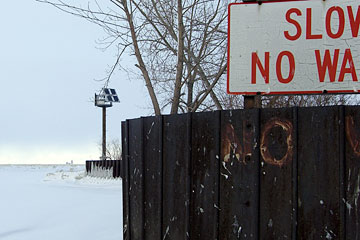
(113, 149)
(180, 47)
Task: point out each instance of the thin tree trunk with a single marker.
(141, 65)
(180, 61)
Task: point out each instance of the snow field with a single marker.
(58, 202)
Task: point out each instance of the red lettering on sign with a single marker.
(255, 61)
(327, 64)
(341, 27)
(331, 65)
(309, 34)
(293, 21)
(354, 22)
(291, 59)
(348, 60)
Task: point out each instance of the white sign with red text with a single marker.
(294, 47)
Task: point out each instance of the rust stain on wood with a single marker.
(267, 134)
(351, 135)
(230, 144)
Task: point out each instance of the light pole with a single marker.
(104, 100)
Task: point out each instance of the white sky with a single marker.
(48, 63)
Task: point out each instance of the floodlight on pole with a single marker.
(105, 99)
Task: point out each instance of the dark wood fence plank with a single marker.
(205, 175)
(116, 172)
(136, 173)
(239, 180)
(88, 166)
(176, 176)
(352, 173)
(319, 182)
(153, 177)
(277, 147)
(125, 178)
(342, 165)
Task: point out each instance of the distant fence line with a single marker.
(103, 168)
(291, 173)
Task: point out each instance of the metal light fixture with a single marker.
(105, 99)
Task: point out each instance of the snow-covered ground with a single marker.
(58, 203)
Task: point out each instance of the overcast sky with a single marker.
(49, 61)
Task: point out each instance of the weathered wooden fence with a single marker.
(247, 174)
(103, 168)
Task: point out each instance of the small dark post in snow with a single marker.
(103, 156)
